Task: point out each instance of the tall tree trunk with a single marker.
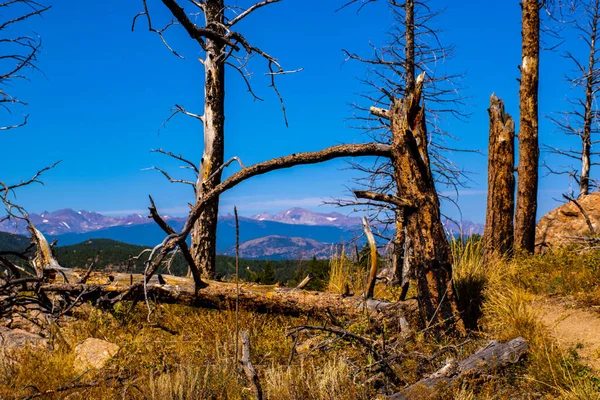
(204, 234)
(586, 139)
(431, 256)
(409, 9)
(398, 255)
(498, 235)
(527, 186)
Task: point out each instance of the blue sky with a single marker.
(105, 91)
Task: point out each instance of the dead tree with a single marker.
(409, 155)
(223, 47)
(527, 183)
(413, 47)
(582, 120)
(432, 258)
(498, 234)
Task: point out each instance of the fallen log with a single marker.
(495, 355)
(103, 286)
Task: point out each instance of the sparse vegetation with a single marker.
(188, 353)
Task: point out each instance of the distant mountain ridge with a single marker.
(71, 221)
(291, 234)
(300, 216)
(276, 247)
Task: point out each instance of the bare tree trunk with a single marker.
(498, 235)
(432, 259)
(527, 186)
(586, 148)
(409, 8)
(204, 234)
(398, 253)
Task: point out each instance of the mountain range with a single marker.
(291, 234)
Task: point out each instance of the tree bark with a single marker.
(498, 235)
(590, 81)
(223, 295)
(409, 50)
(204, 234)
(527, 186)
(432, 259)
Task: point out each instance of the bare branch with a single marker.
(249, 11)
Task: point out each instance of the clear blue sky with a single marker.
(106, 91)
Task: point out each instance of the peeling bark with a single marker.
(527, 186)
(498, 235)
(432, 259)
(204, 233)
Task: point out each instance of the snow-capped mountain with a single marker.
(300, 216)
(71, 221)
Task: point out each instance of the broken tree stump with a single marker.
(494, 355)
(498, 235)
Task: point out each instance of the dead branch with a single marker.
(178, 157)
(183, 246)
(495, 355)
(366, 343)
(384, 198)
(249, 369)
(172, 180)
(583, 212)
(348, 150)
(373, 271)
(305, 281)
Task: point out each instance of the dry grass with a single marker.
(505, 291)
(188, 353)
(345, 273)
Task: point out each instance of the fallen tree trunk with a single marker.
(105, 287)
(493, 356)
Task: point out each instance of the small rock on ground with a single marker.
(93, 353)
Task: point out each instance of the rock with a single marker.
(556, 227)
(11, 339)
(93, 353)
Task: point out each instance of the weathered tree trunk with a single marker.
(495, 355)
(223, 295)
(204, 234)
(398, 261)
(498, 235)
(590, 81)
(432, 259)
(527, 186)
(409, 9)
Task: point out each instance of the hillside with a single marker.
(12, 242)
(114, 255)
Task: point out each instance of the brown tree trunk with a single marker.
(398, 262)
(586, 148)
(498, 235)
(527, 186)
(432, 259)
(204, 234)
(409, 9)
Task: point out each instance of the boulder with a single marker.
(93, 354)
(559, 226)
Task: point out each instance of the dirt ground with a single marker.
(573, 327)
